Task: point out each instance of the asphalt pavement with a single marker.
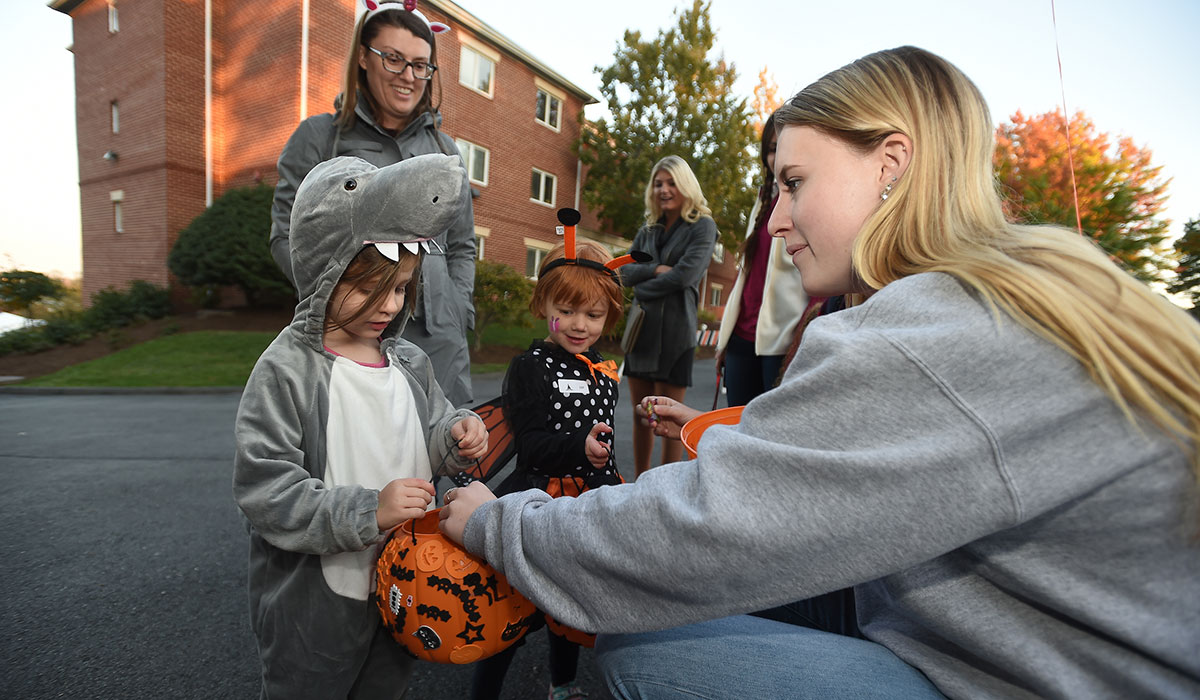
(123, 571)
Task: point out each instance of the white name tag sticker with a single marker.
(572, 386)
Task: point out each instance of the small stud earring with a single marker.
(887, 190)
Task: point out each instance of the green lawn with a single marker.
(206, 358)
(218, 358)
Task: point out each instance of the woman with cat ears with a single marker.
(388, 112)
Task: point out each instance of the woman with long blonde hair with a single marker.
(678, 237)
(996, 449)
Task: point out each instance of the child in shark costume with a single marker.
(324, 441)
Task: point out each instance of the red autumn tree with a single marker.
(1121, 194)
(765, 100)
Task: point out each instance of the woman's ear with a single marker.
(895, 153)
(362, 57)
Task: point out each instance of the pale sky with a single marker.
(1132, 69)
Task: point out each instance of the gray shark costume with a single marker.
(318, 435)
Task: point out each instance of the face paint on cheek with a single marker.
(554, 324)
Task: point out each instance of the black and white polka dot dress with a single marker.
(551, 402)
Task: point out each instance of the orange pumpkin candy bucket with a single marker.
(442, 603)
(691, 431)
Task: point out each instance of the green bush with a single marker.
(227, 245)
(501, 297)
(113, 309)
(110, 309)
(24, 340)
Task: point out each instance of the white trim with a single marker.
(208, 122)
(304, 60)
(471, 56)
(470, 150)
(481, 233)
(553, 189)
(551, 92)
(541, 248)
(115, 116)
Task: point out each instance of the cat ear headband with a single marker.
(569, 218)
(374, 7)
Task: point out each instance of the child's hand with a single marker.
(472, 437)
(403, 499)
(597, 452)
(666, 416)
(461, 503)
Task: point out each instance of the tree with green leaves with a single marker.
(21, 289)
(501, 297)
(1187, 273)
(667, 96)
(1120, 192)
(226, 245)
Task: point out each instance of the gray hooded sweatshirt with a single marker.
(318, 435)
(1007, 530)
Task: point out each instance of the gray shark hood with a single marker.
(347, 203)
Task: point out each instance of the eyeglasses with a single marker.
(395, 63)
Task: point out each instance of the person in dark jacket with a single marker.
(387, 113)
(679, 236)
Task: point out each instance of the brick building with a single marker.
(180, 100)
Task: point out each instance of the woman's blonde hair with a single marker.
(694, 203)
(354, 78)
(944, 214)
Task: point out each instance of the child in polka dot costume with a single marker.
(560, 397)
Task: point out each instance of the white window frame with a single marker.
(718, 290)
(551, 94)
(718, 253)
(553, 188)
(469, 152)
(540, 249)
(117, 197)
(114, 22)
(481, 236)
(115, 108)
(470, 58)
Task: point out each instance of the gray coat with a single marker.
(445, 310)
(669, 300)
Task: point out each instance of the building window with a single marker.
(476, 71)
(475, 159)
(533, 261)
(481, 234)
(719, 253)
(113, 24)
(542, 187)
(116, 117)
(549, 109)
(714, 295)
(117, 197)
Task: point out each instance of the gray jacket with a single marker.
(1009, 532)
(446, 309)
(292, 482)
(669, 300)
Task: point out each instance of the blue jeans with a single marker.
(747, 375)
(751, 658)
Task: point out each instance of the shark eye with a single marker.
(351, 184)
(435, 199)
